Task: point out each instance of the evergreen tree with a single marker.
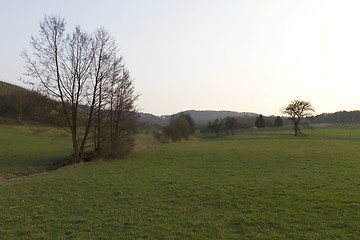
(260, 122)
(278, 122)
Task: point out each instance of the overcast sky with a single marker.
(246, 56)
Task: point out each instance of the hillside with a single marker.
(7, 89)
(341, 117)
(20, 104)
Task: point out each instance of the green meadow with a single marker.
(26, 147)
(253, 185)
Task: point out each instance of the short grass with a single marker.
(23, 147)
(282, 188)
(331, 132)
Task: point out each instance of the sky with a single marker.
(238, 55)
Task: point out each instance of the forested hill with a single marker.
(342, 117)
(20, 104)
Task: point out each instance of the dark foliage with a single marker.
(341, 117)
(180, 128)
(260, 122)
(230, 124)
(190, 121)
(24, 105)
(215, 126)
(278, 122)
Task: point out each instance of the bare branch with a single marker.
(297, 110)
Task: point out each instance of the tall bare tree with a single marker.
(122, 117)
(75, 69)
(297, 110)
(115, 120)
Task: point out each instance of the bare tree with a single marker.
(122, 115)
(103, 50)
(297, 110)
(116, 120)
(216, 126)
(230, 124)
(77, 70)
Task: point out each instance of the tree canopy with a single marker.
(297, 110)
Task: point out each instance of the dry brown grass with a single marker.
(144, 141)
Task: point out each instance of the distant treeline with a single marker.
(150, 122)
(242, 120)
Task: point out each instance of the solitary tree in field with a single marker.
(298, 110)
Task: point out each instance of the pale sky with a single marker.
(246, 56)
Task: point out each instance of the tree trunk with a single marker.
(75, 145)
(296, 127)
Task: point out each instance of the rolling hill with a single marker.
(21, 104)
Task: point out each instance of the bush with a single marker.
(179, 128)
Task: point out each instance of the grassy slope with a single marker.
(25, 146)
(241, 189)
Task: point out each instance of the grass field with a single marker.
(23, 147)
(331, 132)
(227, 187)
(26, 147)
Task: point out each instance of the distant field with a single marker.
(225, 187)
(31, 146)
(331, 132)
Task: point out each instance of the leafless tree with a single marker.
(77, 70)
(103, 50)
(298, 110)
(122, 115)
